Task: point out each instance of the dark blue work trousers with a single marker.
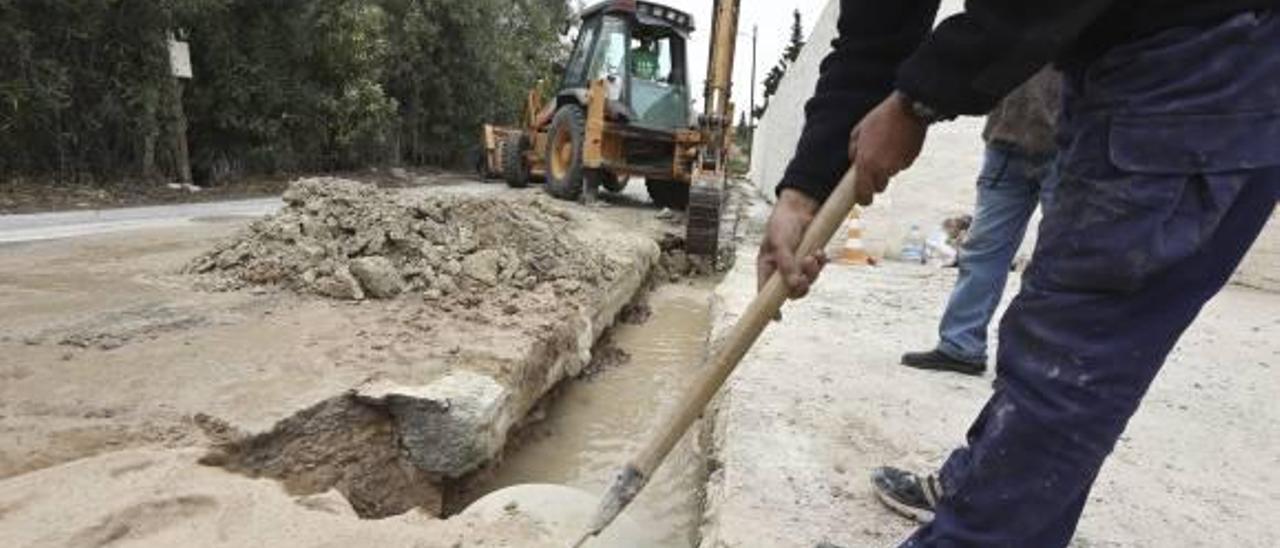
(1170, 165)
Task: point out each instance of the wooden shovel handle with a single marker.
(744, 334)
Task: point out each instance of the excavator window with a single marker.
(610, 60)
(575, 71)
(658, 95)
(611, 53)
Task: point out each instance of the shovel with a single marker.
(636, 474)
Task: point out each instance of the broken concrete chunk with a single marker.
(482, 266)
(377, 276)
(340, 285)
(450, 427)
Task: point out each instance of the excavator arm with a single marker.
(717, 118)
(710, 174)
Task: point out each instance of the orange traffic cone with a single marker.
(853, 252)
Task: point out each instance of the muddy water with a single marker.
(597, 424)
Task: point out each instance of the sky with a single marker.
(774, 20)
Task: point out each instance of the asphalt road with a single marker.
(68, 224)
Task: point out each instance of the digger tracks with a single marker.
(702, 227)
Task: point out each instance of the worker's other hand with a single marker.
(886, 142)
(790, 218)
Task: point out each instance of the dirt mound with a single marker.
(348, 240)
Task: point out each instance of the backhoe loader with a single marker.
(622, 110)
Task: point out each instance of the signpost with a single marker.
(180, 68)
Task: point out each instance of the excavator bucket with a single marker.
(706, 205)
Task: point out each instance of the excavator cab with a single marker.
(641, 56)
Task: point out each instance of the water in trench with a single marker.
(598, 423)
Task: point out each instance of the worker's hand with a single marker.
(886, 142)
(794, 212)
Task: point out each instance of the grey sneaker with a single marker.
(906, 493)
(937, 361)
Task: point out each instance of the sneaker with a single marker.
(937, 361)
(906, 493)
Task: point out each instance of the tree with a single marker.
(789, 55)
(742, 133)
(280, 85)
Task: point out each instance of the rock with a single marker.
(450, 427)
(446, 285)
(482, 266)
(378, 277)
(340, 285)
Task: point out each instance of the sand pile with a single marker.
(349, 240)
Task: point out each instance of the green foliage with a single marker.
(280, 85)
(789, 55)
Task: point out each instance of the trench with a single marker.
(594, 424)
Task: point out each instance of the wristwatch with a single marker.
(924, 112)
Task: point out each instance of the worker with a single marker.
(644, 60)
(1168, 172)
(1016, 176)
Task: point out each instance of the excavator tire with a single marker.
(668, 194)
(514, 169)
(564, 153)
(702, 220)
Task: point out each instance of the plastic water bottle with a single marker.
(913, 246)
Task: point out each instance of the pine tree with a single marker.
(789, 55)
(797, 39)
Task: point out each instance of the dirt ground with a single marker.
(121, 370)
(140, 408)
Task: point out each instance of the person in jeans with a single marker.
(1168, 172)
(1017, 174)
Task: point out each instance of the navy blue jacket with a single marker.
(968, 63)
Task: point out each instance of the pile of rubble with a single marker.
(348, 240)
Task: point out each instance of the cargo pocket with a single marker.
(1171, 180)
(1189, 144)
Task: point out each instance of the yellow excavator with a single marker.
(622, 109)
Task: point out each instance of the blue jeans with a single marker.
(1010, 186)
(1168, 173)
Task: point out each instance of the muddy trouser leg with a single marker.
(1167, 177)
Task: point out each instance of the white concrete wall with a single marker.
(940, 185)
(779, 130)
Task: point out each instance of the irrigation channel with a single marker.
(594, 424)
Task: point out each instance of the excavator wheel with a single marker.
(514, 168)
(564, 153)
(702, 221)
(668, 194)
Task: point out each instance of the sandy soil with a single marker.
(161, 498)
(116, 369)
